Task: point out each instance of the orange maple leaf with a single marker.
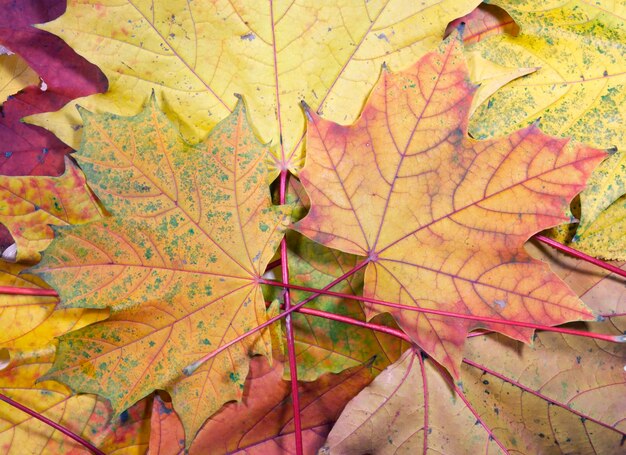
(442, 218)
(178, 263)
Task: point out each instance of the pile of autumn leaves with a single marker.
(158, 241)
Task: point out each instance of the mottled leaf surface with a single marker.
(579, 90)
(197, 54)
(178, 263)
(441, 217)
(29, 205)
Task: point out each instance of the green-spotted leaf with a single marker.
(178, 263)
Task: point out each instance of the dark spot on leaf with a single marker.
(248, 36)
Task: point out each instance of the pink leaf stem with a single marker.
(291, 346)
(192, 367)
(11, 290)
(54, 425)
(580, 255)
(530, 325)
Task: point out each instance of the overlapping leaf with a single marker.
(484, 21)
(196, 55)
(409, 408)
(30, 323)
(323, 345)
(407, 189)
(263, 422)
(563, 395)
(178, 263)
(30, 205)
(25, 149)
(15, 74)
(579, 90)
(85, 415)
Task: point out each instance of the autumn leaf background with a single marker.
(292, 227)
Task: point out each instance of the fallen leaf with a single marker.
(62, 69)
(167, 436)
(573, 387)
(15, 74)
(323, 345)
(457, 245)
(409, 408)
(26, 149)
(563, 395)
(84, 415)
(178, 264)
(30, 323)
(263, 422)
(274, 53)
(578, 92)
(30, 205)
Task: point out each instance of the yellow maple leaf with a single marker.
(195, 55)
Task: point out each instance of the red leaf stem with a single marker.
(54, 425)
(11, 290)
(291, 347)
(580, 255)
(349, 320)
(530, 325)
(192, 367)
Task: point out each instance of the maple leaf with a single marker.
(194, 55)
(409, 408)
(62, 69)
(85, 415)
(323, 345)
(441, 218)
(572, 388)
(29, 325)
(29, 205)
(484, 21)
(263, 422)
(578, 92)
(178, 264)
